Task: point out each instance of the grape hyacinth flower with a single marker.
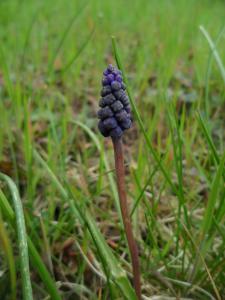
(115, 118)
(115, 112)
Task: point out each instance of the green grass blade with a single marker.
(208, 72)
(210, 142)
(206, 236)
(79, 51)
(27, 38)
(64, 35)
(6, 208)
(205, 130)
(22, 238)
(214, 51)
(43, 272)
(143, 191)
(8, 250)
(140, 122)
(214, 191)
(201, 258)
(178, 158)
(34, 255)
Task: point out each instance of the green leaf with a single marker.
(22, 238)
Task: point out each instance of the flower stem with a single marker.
(120, 175)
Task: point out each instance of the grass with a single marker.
(61, 170)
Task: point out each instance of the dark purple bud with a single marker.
(115, 73)
(118, 94)
(115, 85)
(123, 86)
(102, 129)
(116, 132)
(119, 78)
(128, 109)
(121, 116)
(110, 68)
(126, 124)
(107, 100)
(102, 102)
(104, 113)
(110, 123)
(105, 81)
(106, 72)
(110, 78)
(106, 90)
(124, 99)
(116, 106)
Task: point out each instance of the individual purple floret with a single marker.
(117, 106)
(105, 112)
(115, 109)
(121, 116)
(107, 100)
(102, 129)
(110, 78)
(106, 90)
(115, 85)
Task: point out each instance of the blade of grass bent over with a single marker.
(22, 238)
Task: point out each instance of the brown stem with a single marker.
(120, 175)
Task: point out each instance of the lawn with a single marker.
(61, 232)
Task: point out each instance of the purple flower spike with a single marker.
(115, 118)
(115, 109)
